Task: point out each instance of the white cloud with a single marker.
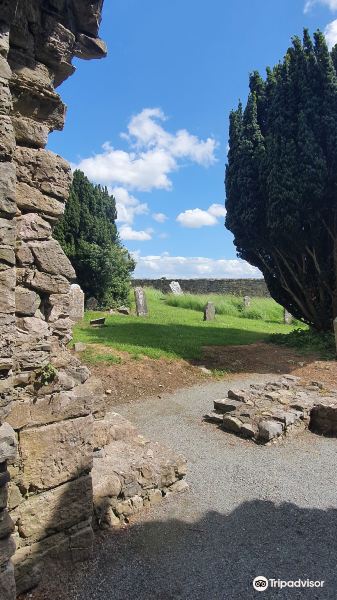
(196, 217)
(160, 217)
(168, 266)
(330, 33)
(217, 210)
(331, 4)
(128, 207)
(127, 233)
(153, 154)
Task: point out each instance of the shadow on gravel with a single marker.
(214, 558)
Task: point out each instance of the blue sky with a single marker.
(151, 120)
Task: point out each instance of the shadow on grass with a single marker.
(214, 347)
(216, 557)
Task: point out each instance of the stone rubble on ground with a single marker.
(265, 412)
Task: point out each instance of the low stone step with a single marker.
(112, 428)
(226, 405)
(131, 473)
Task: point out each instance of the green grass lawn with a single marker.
(174, 332)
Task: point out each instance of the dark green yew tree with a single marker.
(88, 235)
(281, 180)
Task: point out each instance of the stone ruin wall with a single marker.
(238, 287)
(48, 402)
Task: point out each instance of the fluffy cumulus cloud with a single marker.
(169, 266)
(332, 4)
(128, 207)
(331, 34)
(152, 155)
(196, 217)
(160, 217)
(127, 233)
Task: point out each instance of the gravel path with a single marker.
(251, 510)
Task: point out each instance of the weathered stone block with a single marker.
(50, 258)
(7, 291)
(7, 256)
(7, 232)
(32, 199)
(29, 132)
(8, 443)
(32, 227)
(26, 301)
(6, 524)
(55, 510)
(43, 282)
(23, 254)
(7, 582)
(45, 170)
(5, 98)
(7, 139)
(52, 408)
(323, 420)
(7, 549)
(56, 453)
(7, 188)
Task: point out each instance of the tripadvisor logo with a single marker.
(260, 584)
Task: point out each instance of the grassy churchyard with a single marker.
(175, 326)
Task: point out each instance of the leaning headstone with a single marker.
(209, 311)
(246, 302)
(141, 304)
(97, 322)
(76, 312)
(288, 318)
(91, 303)
(175, 288)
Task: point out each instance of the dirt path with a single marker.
(250, 511)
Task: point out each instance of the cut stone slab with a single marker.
(97, 322)
(232, 424)
(269, 430)
(226, 406)
(214, 417)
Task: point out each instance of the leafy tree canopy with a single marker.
(281, 180)
(88, 235)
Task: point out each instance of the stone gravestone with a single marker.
(288, 318)
(91, 304)
(175, 288)
(209, 311)
(246, 302)
(76, 301)
(141, 304)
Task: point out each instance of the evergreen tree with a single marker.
(88, 235)
(281, 180)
